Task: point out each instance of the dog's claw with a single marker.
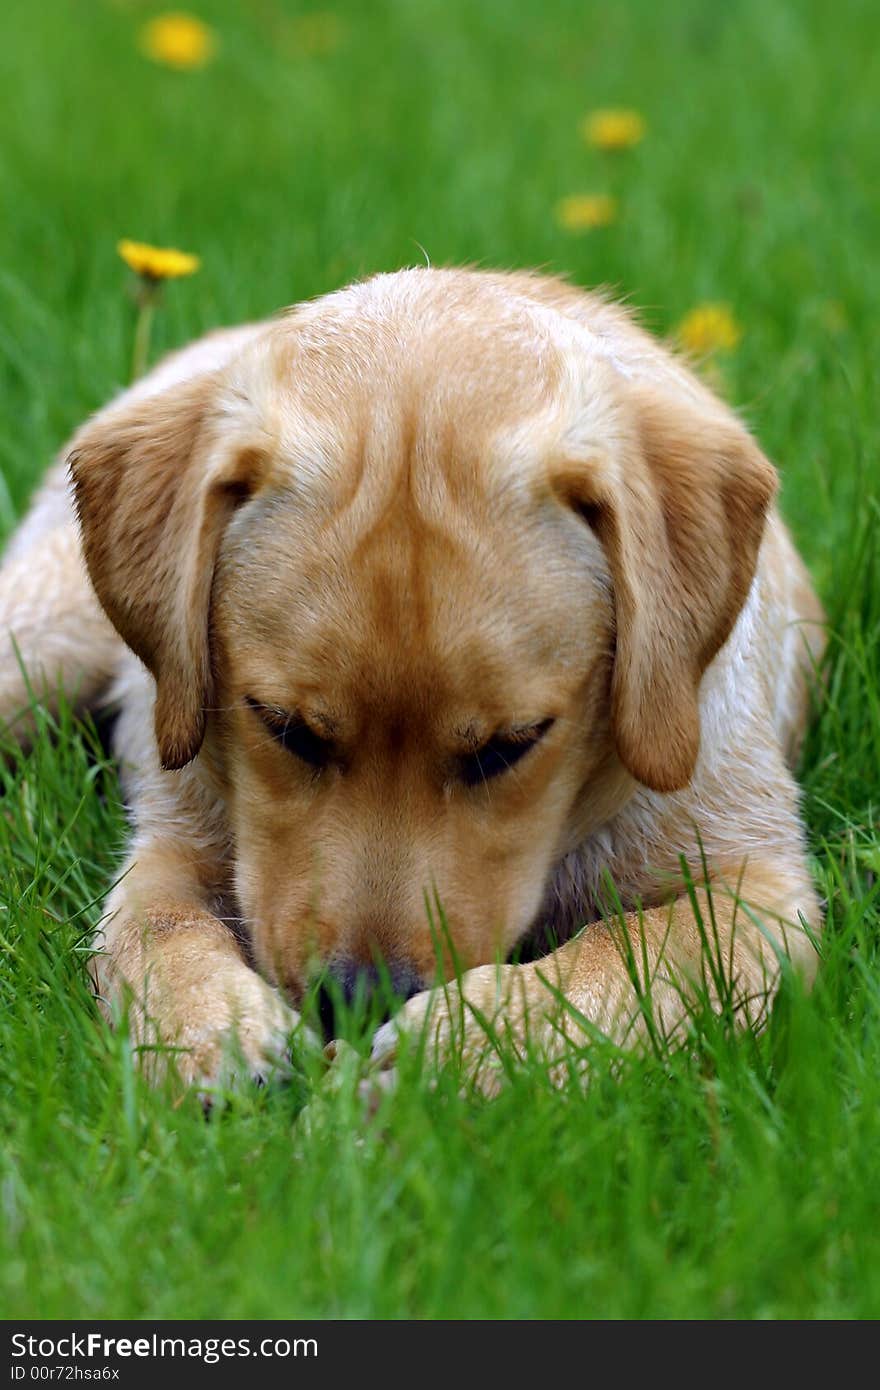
(383, 1052)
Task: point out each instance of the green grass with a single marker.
(728, 1179)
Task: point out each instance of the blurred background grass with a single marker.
(305, 154)
(734, 1182)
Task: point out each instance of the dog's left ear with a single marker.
(681, 517)
(155, 484)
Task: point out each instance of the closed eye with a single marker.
(498, 755)
(294, 734)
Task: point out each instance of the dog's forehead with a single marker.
(445, 612)
(447, 587)
(460, 382)
(408, 530)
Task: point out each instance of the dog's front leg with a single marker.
(179, 973)
(622, 978)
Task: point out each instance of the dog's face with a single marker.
(436, 582)
(411, 639)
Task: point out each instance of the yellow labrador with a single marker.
(450, 583)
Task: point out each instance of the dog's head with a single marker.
(433, 571)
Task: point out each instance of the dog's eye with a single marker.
(499, 754)
(294, 735)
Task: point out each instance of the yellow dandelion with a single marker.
(157, 262)
(581, 212)
(613, 129)
(153, 265)
(314, 34)
(178, 40)
(709, 328)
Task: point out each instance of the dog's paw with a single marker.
(243, 1037)
(477, 1024)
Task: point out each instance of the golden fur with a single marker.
(433, 508)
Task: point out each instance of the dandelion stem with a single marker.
(143, 329)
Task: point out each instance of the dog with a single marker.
(449, 586)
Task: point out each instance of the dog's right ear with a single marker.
(154, 488)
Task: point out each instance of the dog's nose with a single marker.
(353, 984)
